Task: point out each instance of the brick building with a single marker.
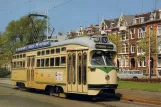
(132, 29)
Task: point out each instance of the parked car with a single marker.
(130, 74)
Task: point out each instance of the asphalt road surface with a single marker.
(13, 97)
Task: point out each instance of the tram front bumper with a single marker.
(95, 89)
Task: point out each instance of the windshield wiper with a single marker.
(97, 62)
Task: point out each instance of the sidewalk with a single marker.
(5, 81)
(140, 96)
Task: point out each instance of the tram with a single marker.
(83, 65)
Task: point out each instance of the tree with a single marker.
(143, 45)
(115, 38)
(21, 32)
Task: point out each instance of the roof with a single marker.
(129, 18)
(88, 41)
(109, 21)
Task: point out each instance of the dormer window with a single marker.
(152, 15)
(112, 25)
(138, 20)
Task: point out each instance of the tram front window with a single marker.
(102, 58)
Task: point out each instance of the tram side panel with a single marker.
(18, 76)
(50, 77)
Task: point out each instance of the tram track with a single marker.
(104, 103)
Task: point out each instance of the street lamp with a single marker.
(149, 50)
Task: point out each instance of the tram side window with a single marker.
(28, 62)
(33, 62)
(47, 52)
(24, 55)
(69, 69)
(57, 61)
(63, 60)
(57, 50)
(42, 62)
(84, 68)
(20, 55)
(17, 64)
(38, 53)
(14, 64)
(38, 62)
(73, 68)
(51, 61)
(63, 49)
(52, 51)
(79, 68)
(43, 52)
(47, 62)
(21, 64)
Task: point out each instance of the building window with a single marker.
(125, 48)
(132, 33)
(142, 63)
(123, 36)
(159, 30)
(142, 32)
(132, 48)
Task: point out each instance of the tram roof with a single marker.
(87, 41)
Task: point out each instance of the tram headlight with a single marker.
(107, 77)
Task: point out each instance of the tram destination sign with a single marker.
(103, 46)
(34, 46)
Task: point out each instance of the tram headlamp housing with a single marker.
(107, 77)
(97, 39)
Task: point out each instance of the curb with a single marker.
(140, 101)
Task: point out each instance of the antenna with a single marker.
(142, 7)
(98, 18)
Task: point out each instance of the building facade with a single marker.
(133, 30)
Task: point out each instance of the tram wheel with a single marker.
(51, 91)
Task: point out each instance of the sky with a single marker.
(70, 14)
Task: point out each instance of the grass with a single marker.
(152, 87)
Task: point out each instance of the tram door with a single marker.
(30, 70)
(77, 71)
(82, 71)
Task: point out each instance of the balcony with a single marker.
(122, 28)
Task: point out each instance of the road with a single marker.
(13, 97)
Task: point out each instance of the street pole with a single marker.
(47, 24)
(149, 52)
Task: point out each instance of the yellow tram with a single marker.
(82, 65)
